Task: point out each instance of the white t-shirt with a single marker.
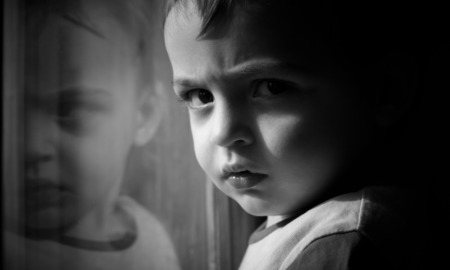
(384, 216)
(148, 247)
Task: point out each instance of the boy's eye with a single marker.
(267, 88)
(198, 98)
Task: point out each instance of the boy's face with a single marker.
(273, 118)
(82, 117)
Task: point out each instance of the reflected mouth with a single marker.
(43, 195)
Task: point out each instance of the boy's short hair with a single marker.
(364, 30)
(138, 19)
(209, 10)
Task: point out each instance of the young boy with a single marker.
(294, 106)
(90, 97)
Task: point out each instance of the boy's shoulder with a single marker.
(371, 218)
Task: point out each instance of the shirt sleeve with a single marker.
(342, 251)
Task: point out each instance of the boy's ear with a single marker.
(149, 115)
(397, 89)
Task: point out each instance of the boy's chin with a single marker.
(255, 206)
(259, 207)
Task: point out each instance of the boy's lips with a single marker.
(240, 177)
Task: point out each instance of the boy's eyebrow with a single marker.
(185, 82)
(262, 67)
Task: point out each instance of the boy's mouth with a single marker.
(242, 178)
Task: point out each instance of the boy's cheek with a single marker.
(200, 137)
(200, 146)
(279, 132)
(207, 157)
(203, 154)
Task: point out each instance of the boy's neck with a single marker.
(271, 220)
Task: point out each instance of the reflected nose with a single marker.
(231, 126)
(40, 138)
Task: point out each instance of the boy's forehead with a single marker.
(264, 31)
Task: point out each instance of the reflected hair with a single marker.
(137, 18)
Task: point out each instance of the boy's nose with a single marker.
(231, 126)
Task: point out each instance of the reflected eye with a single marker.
(198, 98)
(73, 115)
(78, 109)
(69, 110)
(267, 88)
(77, 114)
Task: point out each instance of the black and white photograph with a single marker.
(224, 135)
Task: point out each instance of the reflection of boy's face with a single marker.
(81, 120)
(273, 118)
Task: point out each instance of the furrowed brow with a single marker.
(186, 83)
(261, 67)
(248, 69)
